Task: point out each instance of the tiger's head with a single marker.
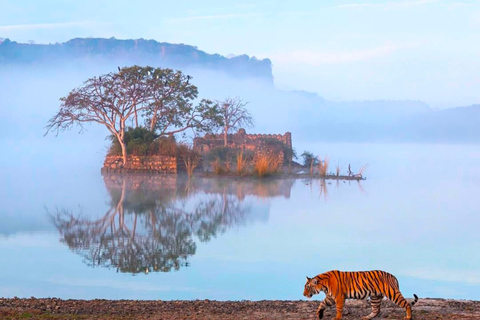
(311, 287)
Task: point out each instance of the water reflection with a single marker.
(324, 185)
(153, 222)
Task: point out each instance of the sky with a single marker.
(343, 50)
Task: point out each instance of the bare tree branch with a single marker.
(234, 115)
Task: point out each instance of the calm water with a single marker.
(79, 235)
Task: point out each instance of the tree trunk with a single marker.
(153, 123)
(136, 117)
(225, 136)
(121, 140)
(124, 151)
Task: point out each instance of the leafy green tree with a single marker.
(163, 97)
(309, 159)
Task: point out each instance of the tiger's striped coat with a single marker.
(341, 285)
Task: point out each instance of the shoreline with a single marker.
(53, 308)
(232, 175)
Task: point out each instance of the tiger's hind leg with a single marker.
(375, 301)
(400, 301)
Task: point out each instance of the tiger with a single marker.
(341, 285)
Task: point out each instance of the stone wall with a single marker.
(241, 140)
(150, 164)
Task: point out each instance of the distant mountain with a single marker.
(311, 118)
(34, 76)
(135, 51)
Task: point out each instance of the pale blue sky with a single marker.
(425, 50)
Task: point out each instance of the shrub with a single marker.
(223, 154)
(217, 166)
(309, 159)
(142, 142)
(190, 158)
(277, 146)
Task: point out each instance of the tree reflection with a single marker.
(154, 221)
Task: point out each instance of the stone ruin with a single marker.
(242, 140)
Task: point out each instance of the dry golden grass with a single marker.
(261, 165)
(241, 163)
(266, 163)
(323, 166)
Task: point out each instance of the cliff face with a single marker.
(134, 51)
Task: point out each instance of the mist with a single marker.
(30, 96)
(34, 166)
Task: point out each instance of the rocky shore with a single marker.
(425, 309)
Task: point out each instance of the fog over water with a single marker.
(416, 215)
(408, 217)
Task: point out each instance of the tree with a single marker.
(234, 115)
(163, 97)
(309, 159)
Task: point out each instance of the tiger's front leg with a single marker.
(327, 302)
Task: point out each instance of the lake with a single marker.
(75, 234)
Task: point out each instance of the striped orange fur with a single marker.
(341, 285)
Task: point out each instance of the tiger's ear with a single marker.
(308, 279)
(314, 281)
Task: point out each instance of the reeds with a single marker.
(338, 169)
(261, 165)
(323, 166)
(362, 170)
(265, 163)
(241, 163)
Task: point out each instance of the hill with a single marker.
(34, 76)
(134, 51)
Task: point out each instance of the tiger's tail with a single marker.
(414, 301)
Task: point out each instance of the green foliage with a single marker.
(223, 154)
(308, 157)
(143, 142)
(171, 108)
(276, 146)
